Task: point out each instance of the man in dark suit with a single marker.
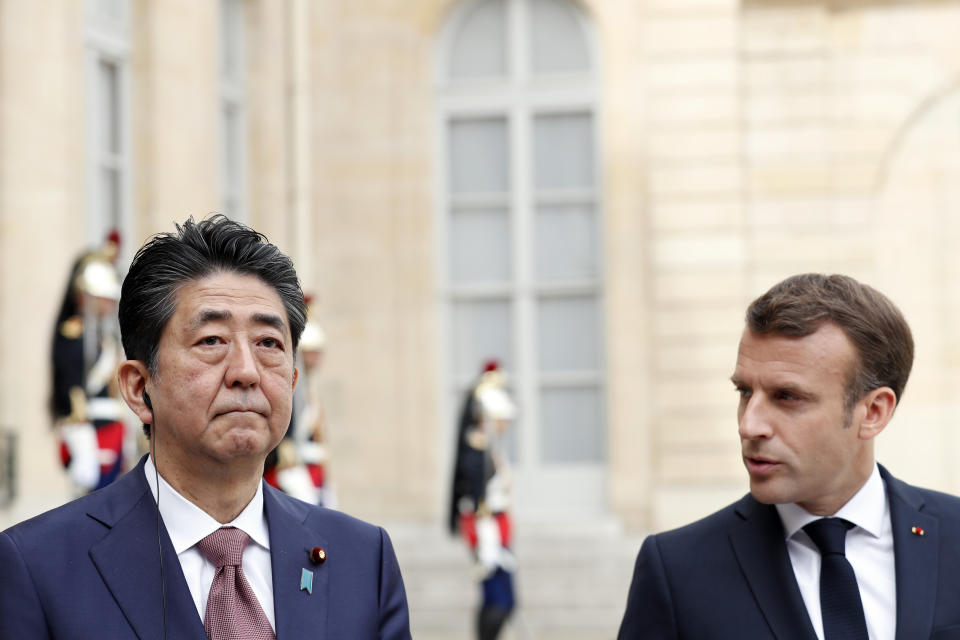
(822, 363)
(191, 543)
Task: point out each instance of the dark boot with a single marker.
(490, 621)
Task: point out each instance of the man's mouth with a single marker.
(238, 410)
(759, 466)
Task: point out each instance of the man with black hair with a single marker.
(191, 543)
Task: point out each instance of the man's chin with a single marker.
(764, 492)
(246, 443)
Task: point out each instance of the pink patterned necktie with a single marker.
(233, 611)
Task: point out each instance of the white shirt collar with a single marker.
(187, 524)
(866, 509)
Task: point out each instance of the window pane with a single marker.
(566, 237)
(231, 38)
(480, 331)
(563, 151)
(557, 42)
(230, 158)
(479, 47)
(229, 207)
(571, 425)
(109, 103)
(478, 156)
(479, 246)
(110, 15)
(110, 197)
(567, 333)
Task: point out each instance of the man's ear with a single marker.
(878, 406)
(296, 376)
(132, 376)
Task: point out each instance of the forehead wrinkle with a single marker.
(784, 375)
(206, 316)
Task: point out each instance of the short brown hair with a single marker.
(801, 304)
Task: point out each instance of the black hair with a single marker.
(168, 261)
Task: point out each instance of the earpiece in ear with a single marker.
(146, 400)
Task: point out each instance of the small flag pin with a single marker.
(918, 531)
(306, 581)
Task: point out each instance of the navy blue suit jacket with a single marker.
(729, 575)
(91, 569)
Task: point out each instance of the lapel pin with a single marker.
(918, 531)
(306, 581)
(318, 555)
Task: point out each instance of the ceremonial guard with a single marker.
(87, 411)
(481, 496)
(298, 466)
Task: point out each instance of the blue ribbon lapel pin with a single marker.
(306, 581)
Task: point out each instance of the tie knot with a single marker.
(829, 534)
(224, 546)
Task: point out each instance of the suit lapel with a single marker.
(298, 613)
(762, 553)
(915, 558)
(128, 561)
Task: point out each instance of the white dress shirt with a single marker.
(187, 524)
(869, 549)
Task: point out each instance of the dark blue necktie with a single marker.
(839, 595)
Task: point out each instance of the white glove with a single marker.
(296, 481)
(81, 441)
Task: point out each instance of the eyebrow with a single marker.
(788, 387)
(270, 319)
(207, 316)
(798, 391)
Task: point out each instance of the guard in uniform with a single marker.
(298, 466)
(87, 411)
(481, 496)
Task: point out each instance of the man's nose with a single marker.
(754, 419)
(242, 369)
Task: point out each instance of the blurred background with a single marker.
(590, 192)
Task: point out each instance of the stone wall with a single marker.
(741, 142)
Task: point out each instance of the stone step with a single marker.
(571, 581)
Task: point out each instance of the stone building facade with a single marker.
(627, 174)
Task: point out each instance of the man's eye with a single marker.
(785, 395)
(271, 343)
(744, 393)
(210, 340)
